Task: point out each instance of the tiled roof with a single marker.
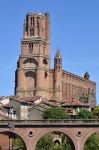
(8, 105)
(25, 100)
(52, 103)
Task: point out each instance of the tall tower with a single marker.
(32, 73)
(58, 76)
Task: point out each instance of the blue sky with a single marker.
(74, 29)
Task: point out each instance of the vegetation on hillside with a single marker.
(47, 143)
(96, 112)
(92, 142)
(55, 113)
(18, 142)
(85, 114)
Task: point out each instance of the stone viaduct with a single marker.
(32, 130)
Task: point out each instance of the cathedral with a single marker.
(34, 77)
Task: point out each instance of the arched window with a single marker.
(30, 47)
(30, 62)
(45, 61)
(30, 80)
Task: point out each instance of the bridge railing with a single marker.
(49, 122)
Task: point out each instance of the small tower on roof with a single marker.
(58, 75)
(58, 60)
(87, 76)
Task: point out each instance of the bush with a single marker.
(55, 113)
(85, 114)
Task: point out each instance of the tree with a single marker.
(66, 143)
(18, 142)
(55, 113)
(92, 143)
(58, 147)
(45, 143)
(67, 146)
(84, 114)
(96, 112)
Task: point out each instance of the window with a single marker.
(30, 47)
(32, 21)
(58, 61)
(31, 32)
(25, 107)
(46, 74)
(22, 106)
(25, 115)
(59, 67)
(38, 26)
(45, 61)
(22, 114)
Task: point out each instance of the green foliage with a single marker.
(89, 97)
(85, 114)
(92, 143)
(84, 99)
(45, 143)
(18, 142)
(55, 113)
(67, 146)
(58, 147)
(96, 112)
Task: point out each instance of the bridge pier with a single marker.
(31, 143)
(78, 144)
(30, 147)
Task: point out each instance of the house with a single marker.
(23, 104)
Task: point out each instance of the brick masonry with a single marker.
(71, 131)
(34, 77)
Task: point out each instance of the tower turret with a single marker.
(58, 76)
(87, 76)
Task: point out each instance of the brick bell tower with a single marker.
(32, 73)
(58, 76)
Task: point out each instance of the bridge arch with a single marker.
(16, 132)
(87, 134)
(64, 131)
